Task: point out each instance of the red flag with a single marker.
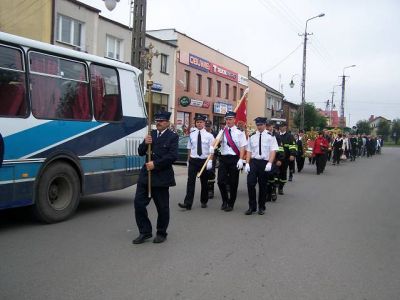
(241, 111)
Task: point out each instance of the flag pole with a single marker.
(220, 134)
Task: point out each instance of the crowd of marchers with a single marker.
(268, 156)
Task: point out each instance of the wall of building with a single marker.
(31, 19)
(256, 104)
(81, 13)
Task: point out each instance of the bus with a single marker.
(71, 124)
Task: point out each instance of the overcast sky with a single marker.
(263, 34)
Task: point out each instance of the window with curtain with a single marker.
(114, 46)
(13, 102)
(164, 65)
(59, 87)
(106, 93)
(70, 31)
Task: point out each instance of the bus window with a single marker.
(59, 87)
(12, 83)
(105, 93)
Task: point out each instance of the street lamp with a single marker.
(110, 4)
(291, 84)
(342, 102)
(303, 82)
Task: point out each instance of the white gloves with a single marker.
(187, 163)
(247, 168)
(209, 164)
(239, 164)
(268, 167)
(211, 149)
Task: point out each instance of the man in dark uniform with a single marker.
(286, 153)
(164, 153)
(200, 145)
(353, 142)
(231, 161)
(261, 149)
(211, 173)
(300, 151)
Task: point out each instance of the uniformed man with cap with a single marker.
(233, 145)
(261, 150)
(285, 154)
(274, 173)
(200, 145)
(164, 153)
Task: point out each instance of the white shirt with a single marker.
(207, 140)
(238, 137)
(268, 144)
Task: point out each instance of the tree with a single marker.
(312, 118)
(384, 129)
(396, 130)
(363, 127)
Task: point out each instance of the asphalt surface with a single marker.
(332, 236)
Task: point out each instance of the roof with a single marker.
(291, 103)
(85, 6)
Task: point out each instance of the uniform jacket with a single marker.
(287, 145)
(164, 153)
(1, 150)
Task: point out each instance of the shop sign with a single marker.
(243, 80)
(199, 103)
(222, 108)
(184, 101)
(221, 71)
(156, 87)
(199, 63)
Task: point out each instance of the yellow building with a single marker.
(31, 19)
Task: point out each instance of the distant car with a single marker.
(182, 150)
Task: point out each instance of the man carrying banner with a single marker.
(200, 145)
(261, 150)
(231, 161)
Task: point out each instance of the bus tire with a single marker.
(57, 195)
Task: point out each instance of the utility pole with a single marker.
(342, 121)
(303, 80)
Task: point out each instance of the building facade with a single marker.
(257, 102)
(289, 111)
(207, 81)
(274, 104)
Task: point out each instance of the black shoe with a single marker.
(224, 206)
(249, 212)
(274, 196)
(280, 191)
(290, 178)
(261, 211)
(203, 205)
(269, 198)
(142, 238)
(228, 208)
(187, 207)
(159, 239)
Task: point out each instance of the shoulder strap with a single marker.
(231, 142)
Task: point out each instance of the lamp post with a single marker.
(342, 123)
(110, 4)
(303, 82)
(291, 84)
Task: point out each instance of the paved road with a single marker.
(333, 236)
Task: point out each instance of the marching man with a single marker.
(200, 145)
(232, 151)
(261, 150)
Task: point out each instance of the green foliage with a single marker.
(363, 127)
(312, 119)
(396, 130)
(384, 129)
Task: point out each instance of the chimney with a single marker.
(371, 117)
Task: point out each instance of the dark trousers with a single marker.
(256, 175)
(337, 152)
(300, 162)
(353, 154)
(292, 165)
(283, 173)
(324, 160)
(319, 161)
(195, 165)
(161, 200)
(228, 174)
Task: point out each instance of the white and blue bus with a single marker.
(71, 125)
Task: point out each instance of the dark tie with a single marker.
(227, 142)
(199, 149)
(158, 134)
(259, 145)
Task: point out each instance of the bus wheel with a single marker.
(57, 196)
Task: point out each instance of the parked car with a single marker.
(182, 150)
